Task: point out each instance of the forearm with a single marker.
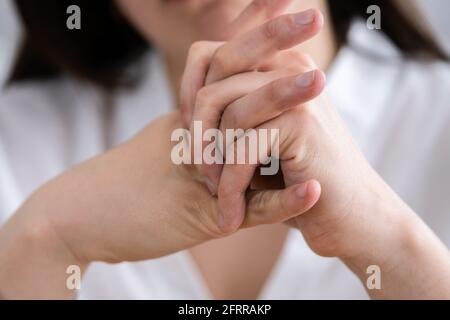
(414, 263)
(33, 259)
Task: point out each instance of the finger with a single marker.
(247, 51)
(234, 182)
(276, 206)
(244, 156)
(256, 13)
(261, 106)
(273, 99)
(212, 99)
(210, 103)
(288, 58)
(197, 65)
(242, 160)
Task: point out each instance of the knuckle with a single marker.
(264, 6)
(198, 47)
(230, 119)
(220, 62)
(271, 29)
(203, 99)
(258, 5)
(276, 91)
(305, 156)
(306, 132)
(272, 93)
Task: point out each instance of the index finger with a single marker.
(256, 13)
(246, 52)
(201, 53)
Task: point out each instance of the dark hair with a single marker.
(107, 45)
(99, 52)
(411, 40)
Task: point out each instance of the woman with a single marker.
(133, 204)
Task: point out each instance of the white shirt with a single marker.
(396, 109)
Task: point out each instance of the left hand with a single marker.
(270, 88)
(358, 217)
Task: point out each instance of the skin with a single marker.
(353, 215)
(161, 21)
(353, 219)
(89, 214)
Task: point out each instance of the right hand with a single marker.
(133, 203)
(245, 82)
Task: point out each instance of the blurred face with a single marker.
(172, 25)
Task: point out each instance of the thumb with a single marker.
(276, 206)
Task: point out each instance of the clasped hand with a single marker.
(261, 80)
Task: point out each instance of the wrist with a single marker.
(412, 261)
(34, 259)
(384, 238)
(43, 228)
(384, 220)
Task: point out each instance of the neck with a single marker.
(174, 67)
(323, 48)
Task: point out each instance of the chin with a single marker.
(213, 20)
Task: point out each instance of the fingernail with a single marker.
(302, 190)
(211, 187)
(305, 80)
(304, 18)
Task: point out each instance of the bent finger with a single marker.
(197, 65)
(272, 100)
(210, 104)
